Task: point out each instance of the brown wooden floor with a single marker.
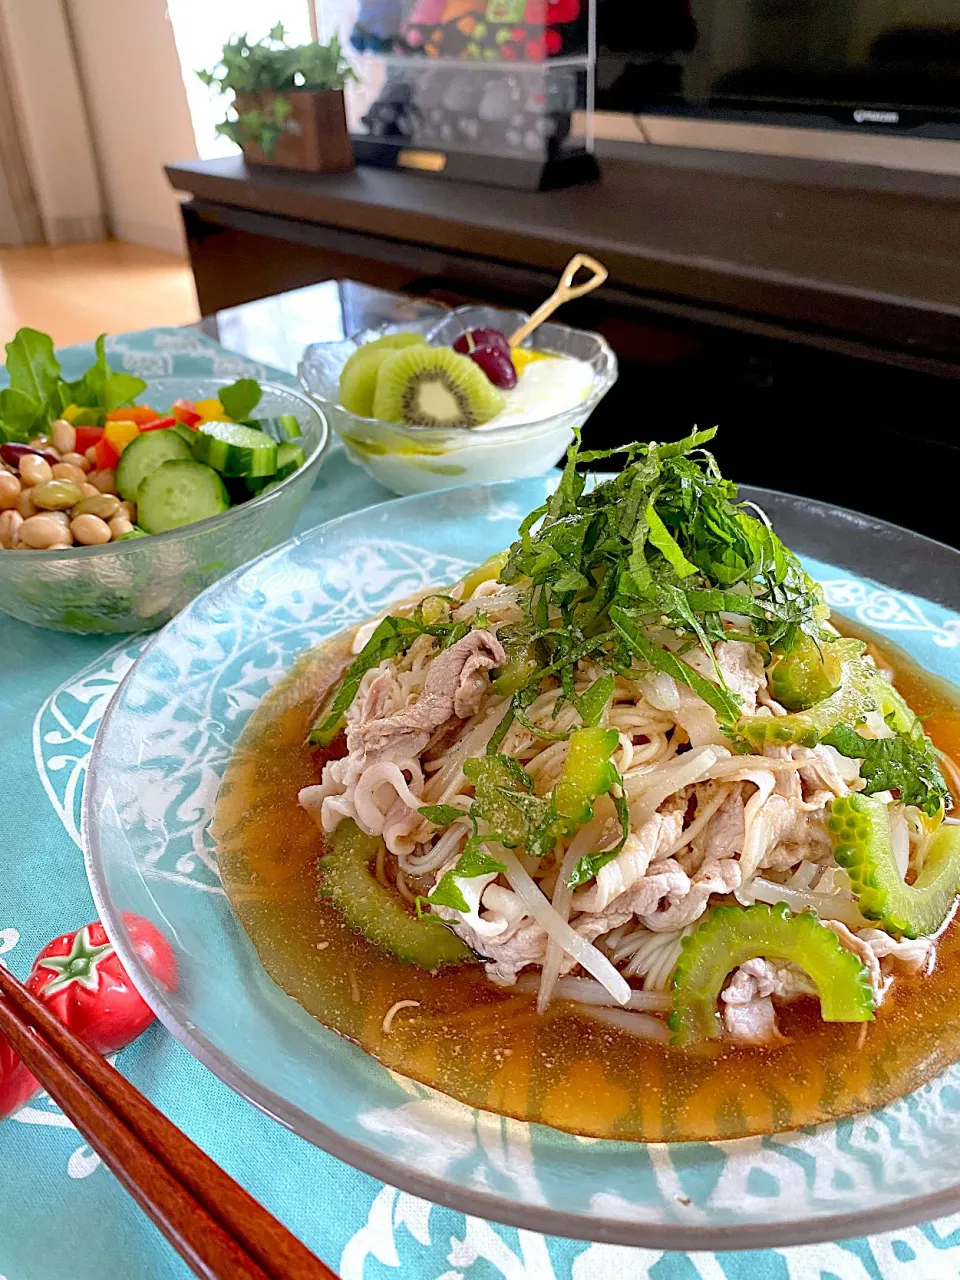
(77, 291)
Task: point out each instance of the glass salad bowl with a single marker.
(138, 584)
(415, 459)
(151, 786)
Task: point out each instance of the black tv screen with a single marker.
(877, 65)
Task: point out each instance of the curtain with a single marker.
(20, 221)
(48, 163)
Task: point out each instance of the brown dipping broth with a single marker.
(485, 1045)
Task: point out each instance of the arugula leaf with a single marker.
(240, 398)
(32, 365)
(895, 764)
(18, 416)
(101, 387)
(33, 398)
(441, 815)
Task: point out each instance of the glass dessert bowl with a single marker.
(524, 440)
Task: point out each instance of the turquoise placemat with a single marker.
(63, 1216)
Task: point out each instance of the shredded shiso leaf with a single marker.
(632, 574)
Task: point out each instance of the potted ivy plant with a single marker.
(288, 107)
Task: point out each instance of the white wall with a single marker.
(138, 113)
(47, 98)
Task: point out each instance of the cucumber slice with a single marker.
(187, 433)
(235, 450)
(144, 454)
(290, 458)
(379, 913)
(283, 428)
(178, 493)
(290, 426)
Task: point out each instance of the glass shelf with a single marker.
(469, 89)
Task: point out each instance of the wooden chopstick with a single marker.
(218, 1229)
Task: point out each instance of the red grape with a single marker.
(498, 367)
(482, 338)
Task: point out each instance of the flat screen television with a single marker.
(890, 66)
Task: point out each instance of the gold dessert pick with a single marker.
(565, 291)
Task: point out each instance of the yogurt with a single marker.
(546, 387)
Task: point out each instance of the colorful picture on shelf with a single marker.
(378, 26)
(496, 30)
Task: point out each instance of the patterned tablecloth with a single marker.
(62, 1215)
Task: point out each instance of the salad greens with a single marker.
(241, 398)
(38, 394)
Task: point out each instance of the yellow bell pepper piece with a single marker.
(211, 410)
(120, 434)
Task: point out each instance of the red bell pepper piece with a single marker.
(184, 412)
(87, 437)
(159, 424)
(107, 455)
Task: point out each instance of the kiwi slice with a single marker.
(358, 377)
(434, 387)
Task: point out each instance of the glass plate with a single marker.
(149, 798)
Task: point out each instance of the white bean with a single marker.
(9, 491)
(10, 522)
(34, 469)
(77, 460)
(66, 471)
(120, 525)
(41, 532)
(90, 530)
(105, 480)
(25, 505)
(64, 435)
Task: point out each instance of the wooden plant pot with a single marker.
(316, 138)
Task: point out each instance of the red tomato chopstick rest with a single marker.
(80, 979)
